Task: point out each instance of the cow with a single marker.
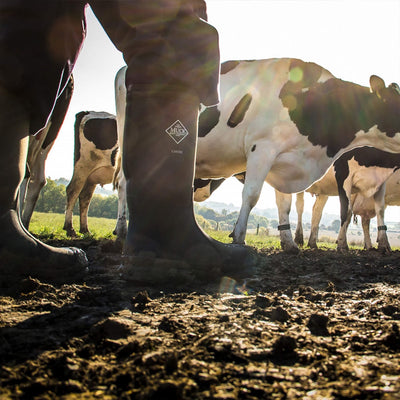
(95, 158)
(38, 150)
(366, 207)
(286, 121)
(84, 178)
(363, 171)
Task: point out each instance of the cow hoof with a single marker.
(240, 242)
(71, 233)
(291, 250)
(343, 249)
(385, 250)
(299, 240)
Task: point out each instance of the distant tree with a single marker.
(104, 206)
(274, 223)
(52, 198)
(205, 223)
(335, 226)
(208, 213)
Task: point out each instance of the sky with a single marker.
(352, 39)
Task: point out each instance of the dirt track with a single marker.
(319, 325)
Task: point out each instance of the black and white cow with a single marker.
(363, 171)
(38, 150)
(286, 121)
(95, 159)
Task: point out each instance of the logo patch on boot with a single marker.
(177, 131)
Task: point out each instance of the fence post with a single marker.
(258, 228)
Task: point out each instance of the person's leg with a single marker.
(20, 252)
(159, 158)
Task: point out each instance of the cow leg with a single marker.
(365, 223)
(159, 174)
(253, 183)
(284, 203)
(382, 239)
(342, 235)
(318, 207)
(121, 226)
(73, 190)
(34, 186)
(299, 237)
(20, 253)
(84, 200)
(344, 190)
(22, 194)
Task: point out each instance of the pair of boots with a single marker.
(164, 241)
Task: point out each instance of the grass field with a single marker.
(50, 226)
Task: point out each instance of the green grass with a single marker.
(50, 226)
(258, 241)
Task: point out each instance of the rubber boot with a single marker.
(21, 255)
(159, 159)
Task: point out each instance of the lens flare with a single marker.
(296, 74)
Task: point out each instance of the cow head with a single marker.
(389, 98)
(390, 94)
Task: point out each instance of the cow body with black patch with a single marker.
(38, 150)
(95, 156)
(286, 121)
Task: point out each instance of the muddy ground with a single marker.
(319, 325)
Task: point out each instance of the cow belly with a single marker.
(292, 178)
(101, 176)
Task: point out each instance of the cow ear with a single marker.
(394, 86)
(377, 84)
